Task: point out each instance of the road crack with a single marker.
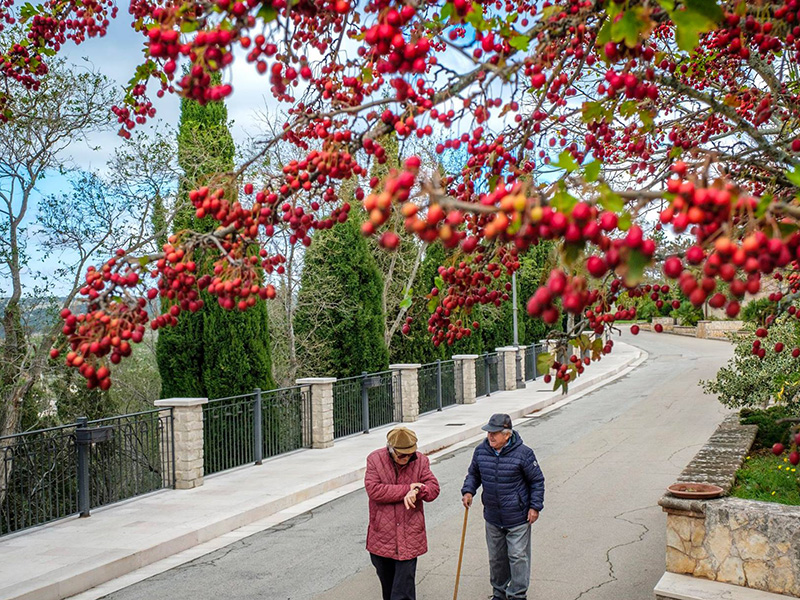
(611, 576)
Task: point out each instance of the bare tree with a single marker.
(70, 103)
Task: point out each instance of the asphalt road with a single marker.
(607, 458)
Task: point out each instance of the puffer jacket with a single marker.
(395, 532)
(512, 482)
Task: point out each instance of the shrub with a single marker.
(769, 430)
(748, 380)
(757, 311)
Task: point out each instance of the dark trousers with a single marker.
(397, 577)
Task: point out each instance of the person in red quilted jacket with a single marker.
(398, 482)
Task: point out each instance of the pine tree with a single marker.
(214, 352)
(339, 322)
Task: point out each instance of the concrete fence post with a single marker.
(523, 372)
(409, 390)
(464, 367)
(508, 364)
(322, 431)
(187, 427)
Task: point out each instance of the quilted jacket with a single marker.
(395, 532)
(512, 482)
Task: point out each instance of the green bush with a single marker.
(769, 430)
(688, 314)
(757, 311)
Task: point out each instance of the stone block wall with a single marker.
(717, 330)
(741, 542)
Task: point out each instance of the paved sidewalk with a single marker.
(70, 556)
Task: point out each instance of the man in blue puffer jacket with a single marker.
(513, 495)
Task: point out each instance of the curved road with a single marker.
(607, 457)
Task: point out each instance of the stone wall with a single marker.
(718, 330)
(742, 542)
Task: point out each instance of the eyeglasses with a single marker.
(402, 455)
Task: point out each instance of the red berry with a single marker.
(777, 449)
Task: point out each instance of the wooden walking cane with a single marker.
(461, 551)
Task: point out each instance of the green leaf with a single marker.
(572, 252)
(675, 152)
(636, 264)
(563, 201)
(267, 13)
(629, 27)
(407, 301)
(667, 5)
(447, 11)
(794, 176)
(611, 201)
(551, 11)
(520, 42)
(763, 205)
(143, 261)
(604, 35)
(593, 111)
(592, 171)
(433, 303)
(493, 182)
(439, 283)
(475, 17)
(689, 25)
(628, 108)
(544, 361)
(708, 8)
(624, 222)
(28, 10)
(366, 75)
(189, 26)
(565, 161)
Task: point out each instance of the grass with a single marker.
(768, 478)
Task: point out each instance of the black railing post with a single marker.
(487, 371)
(439, 384)
(535, 367)
(364, 402)
(83, 469)
(518, 368)
(258, 434)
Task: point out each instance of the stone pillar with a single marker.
(464, 366)
(187, 427)
(409, 390)
(508, 366)
(321, 410)
(702, 329)
(523, 364)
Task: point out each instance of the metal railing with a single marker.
(128, 455)
(489, 374)
(365, 401)
(248, 428)
(436, 384)
(531, 354)
(53, 473)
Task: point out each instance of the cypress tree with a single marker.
(214, 352)
(339, 321)
(535, 265)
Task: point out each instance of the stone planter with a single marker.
(742, 542)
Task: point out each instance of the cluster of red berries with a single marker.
(572, 291)
(397, 188)
(388, 47)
